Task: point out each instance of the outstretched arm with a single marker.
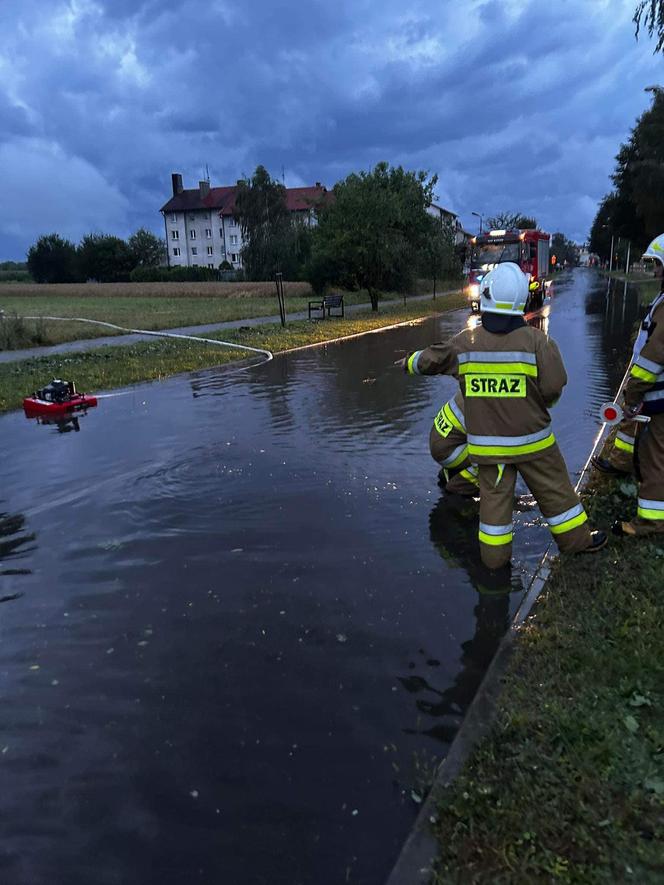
(439, 359)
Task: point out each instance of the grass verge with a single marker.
(108, 367)
(569, 784)
(149, 306)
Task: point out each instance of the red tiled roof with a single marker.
(298, 199)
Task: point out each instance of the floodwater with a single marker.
(239, 617)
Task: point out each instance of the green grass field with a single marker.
(108, 367)
(149, 306)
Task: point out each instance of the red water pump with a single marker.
(57, 398)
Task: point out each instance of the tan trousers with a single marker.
(451, 452)
(621, 446)
(650, 465)
(547, 478)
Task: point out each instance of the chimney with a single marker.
(203, 189)
(318, 184)
(176, 179)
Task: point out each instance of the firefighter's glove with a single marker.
(403, 364)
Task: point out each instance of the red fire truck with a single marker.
(527, 248)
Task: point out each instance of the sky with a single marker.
(515, 104)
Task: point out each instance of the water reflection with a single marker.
(61, 423)
(453, 533)
(13, 541)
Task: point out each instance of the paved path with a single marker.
(8, 356)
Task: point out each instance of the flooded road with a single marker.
(240, 616)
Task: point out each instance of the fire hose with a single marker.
(266, 353)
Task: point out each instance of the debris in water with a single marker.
(193, 794)
(341, 637)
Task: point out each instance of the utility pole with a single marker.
(611, 256)
(480, 216)
(629, 247)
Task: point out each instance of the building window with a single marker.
(192, 233)
(233, 257)
(174, 217)
(176, 252)
(175, 234)
(208, 233)
(209, 250)
(236, 222)
(233, 239)
(211, 266)
(194, 250)
(221, 232)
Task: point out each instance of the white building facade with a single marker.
(201, 226)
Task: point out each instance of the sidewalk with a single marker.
(10, 356)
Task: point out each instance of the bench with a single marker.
(328, 303)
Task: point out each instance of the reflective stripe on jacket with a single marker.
(507, 381)
(646, 376)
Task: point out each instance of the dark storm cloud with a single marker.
(513, 104)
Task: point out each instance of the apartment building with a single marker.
(202, 227)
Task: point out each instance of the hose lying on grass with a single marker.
(266, 353)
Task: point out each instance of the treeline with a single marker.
(14, 272)
(99, 257)
(634, 210)
(372, 232)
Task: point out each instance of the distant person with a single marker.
(644, 394)
(510, 374)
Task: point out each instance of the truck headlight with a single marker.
(474, 290)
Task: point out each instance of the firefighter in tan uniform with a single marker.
(621, 443)
(509, 374)
(644, 394)
(449, 447)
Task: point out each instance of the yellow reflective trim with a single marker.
(643, 374)
(498, 369)
(461, 457)
(470, 477)
(650, 514)
(626, 447)
(452, 418)
(411, 358)
(569, 524)
(506, 451)
(442, 425)
(496, 540)
(506, 305)
(496, 386)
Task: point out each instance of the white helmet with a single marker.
(656, 249)
(504, 290)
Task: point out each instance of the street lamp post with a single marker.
(480, 216)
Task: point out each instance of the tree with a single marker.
(566, 251)
(104, 258)
(437, 254)
(146, 249)
(650, 15)
(635, 210)
(510, 221)
(266, 225)
(52, 260)
(372, 234)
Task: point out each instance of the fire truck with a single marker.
(527, 248)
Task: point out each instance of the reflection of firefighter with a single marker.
(644, 393)
(449, 447)
(510, 374)
(448, 530)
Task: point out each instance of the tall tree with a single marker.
(374, 230)
(52, 259)
(104, 258)
(146, 249)
(266, 225)
(510, 221)
(650, 15)
(437, 253)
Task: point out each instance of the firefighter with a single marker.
(449, 448)
(510, 374)
(644, 393)
(620, 458)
